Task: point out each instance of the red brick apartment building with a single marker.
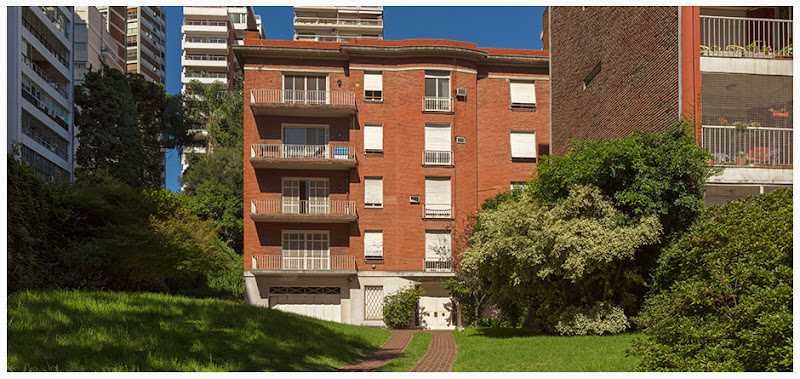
(618, 69)
(364, 158)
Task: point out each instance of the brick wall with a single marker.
(637, 87)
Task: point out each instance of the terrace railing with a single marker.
(745, 37)
(754, 146)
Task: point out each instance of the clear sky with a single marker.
(508, 27)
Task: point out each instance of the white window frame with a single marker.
(521, 105)
(305, 83)
(511, 144)
(366, 249)
(430, 253)
(372, 205)
(373, 97)
(373, 149)
(290, 207)
(438, 75)
(305, 250)
(306, 126)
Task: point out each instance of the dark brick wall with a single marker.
(637, 88)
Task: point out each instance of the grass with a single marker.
(108, 331)
(416, 348)
(501, 349)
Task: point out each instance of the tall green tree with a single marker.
(109, 136)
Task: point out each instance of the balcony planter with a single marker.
(780, 114)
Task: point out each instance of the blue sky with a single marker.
(508, 27)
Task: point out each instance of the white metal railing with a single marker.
(279, 96)
(324, 207)
(438, 264)
(437, 104)
(205, 23)
(337, 21)
(437, 157)
(204, 75)
(283, 262)
(754, 146)
(205, 40)
(331, 37)
(437, 211)
(335, 151)
(38, 70)
(205, 58)
(745, 37)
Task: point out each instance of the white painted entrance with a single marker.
(435, 312)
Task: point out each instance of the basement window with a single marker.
(590, 77)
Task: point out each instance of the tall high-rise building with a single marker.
(94, 43)
(337, 24)
(644, 68)
(209, 33)
(40, 81)
(146, 42)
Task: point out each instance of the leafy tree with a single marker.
(109, 136)
(726, 303)
(213, 200)
(219, 111)
(540, 262)
(400, 307)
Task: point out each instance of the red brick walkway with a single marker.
(388, 351)
(440, 355)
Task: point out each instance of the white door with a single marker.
(290, 196)
(319, 197)
(323, 307)
(435, 312)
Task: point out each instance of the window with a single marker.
(437, 198)
(590, 77)
(373, 302)
(523, 144)
(437, 91)
(373, 138)
(373, 192)
(437, 145)
(373, 244)
(523, 95)
(305, 196)
(373, 86)
(437, 244)
(301, 89)
(305, 250)
(298, 137)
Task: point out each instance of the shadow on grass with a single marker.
(104, 331)
(506, 332)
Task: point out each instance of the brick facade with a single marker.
(637, 86)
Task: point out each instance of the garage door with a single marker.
(319, 302)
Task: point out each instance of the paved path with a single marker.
(440, 355)
(388, 351)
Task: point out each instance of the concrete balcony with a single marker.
(302, 103)
(341, 23)
(204, 61)
(299, 211)
(216, 28)
(206, 78)
(211, 11)
(332, 156)
(327, 265)
(207, 45)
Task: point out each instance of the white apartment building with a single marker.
(94, 44)
(146, 42)
(209, 33)
(40, 81)
(337, 24)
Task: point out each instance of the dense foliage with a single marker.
(540, 262)
(469, 293)
(400, 308)
(727, 298)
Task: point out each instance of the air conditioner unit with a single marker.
(413, 199)
(461, 92)
(461, 140)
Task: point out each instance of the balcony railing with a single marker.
(279, 262)
(437, 104)
(278, 96)
(38, 70)
(437, 157)
(33, 30)
(751, 147)
(205, 58)
(205, 40)
(324, 207)
(48, 142)
(206, 23)
(337, 21)
(745, 37)
(437, 211)
(331, 37)
(438, 264)
(204, 75)
(334, 151)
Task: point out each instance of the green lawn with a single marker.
(411, 355)
(107, 331)
(499, 349)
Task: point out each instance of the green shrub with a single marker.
(599, 319)
(400, 307)
(726, 299)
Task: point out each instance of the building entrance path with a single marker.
(388, 351)
(440, 355)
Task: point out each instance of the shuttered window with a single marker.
(373, 86)
(373, 244)
(437, 191)
(437, 244)
(437, 137)
(523, 95)
(373, 192)
(523, 144)
(373, 138)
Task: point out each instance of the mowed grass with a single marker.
(108, 331)
(416, 348)
(501, 349)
